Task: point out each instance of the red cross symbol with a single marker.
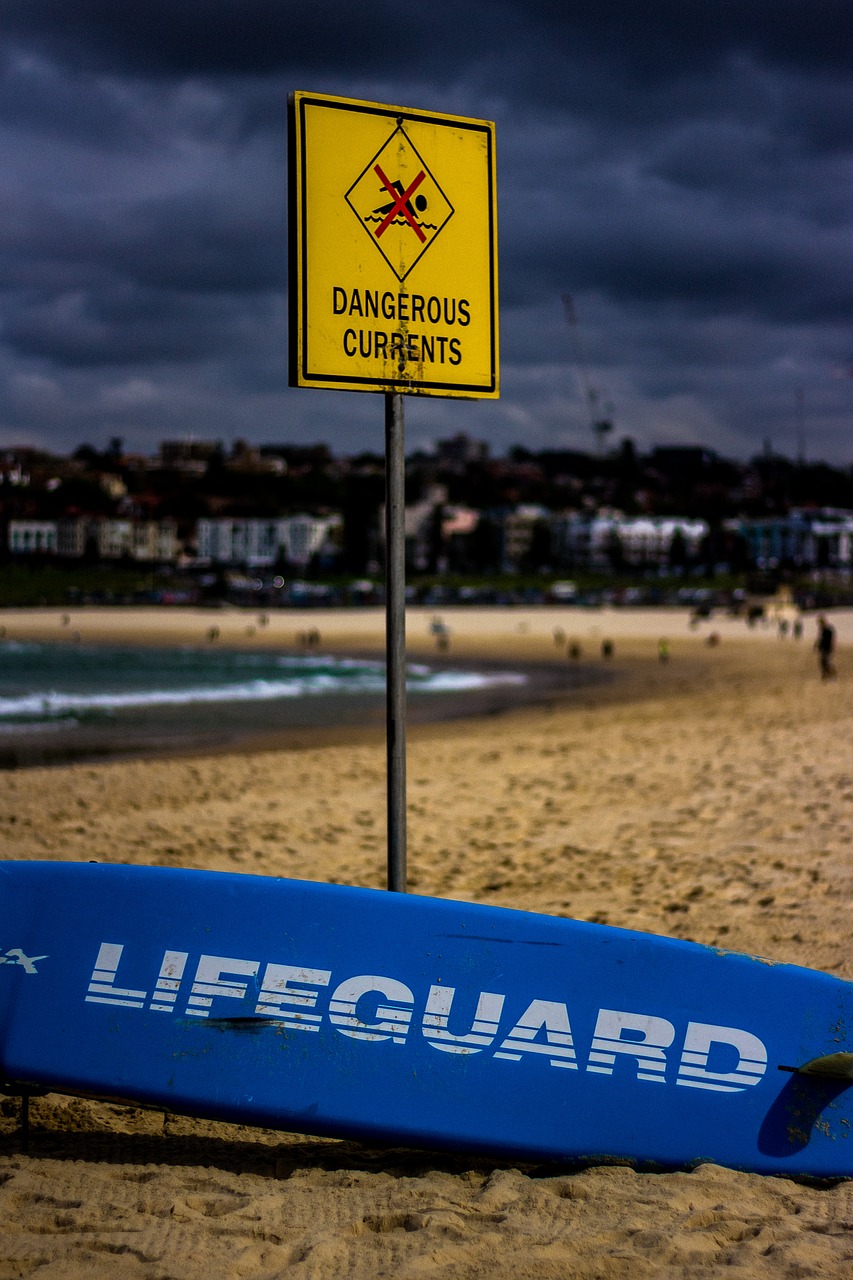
(400, 204)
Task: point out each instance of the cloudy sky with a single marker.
(682, 168)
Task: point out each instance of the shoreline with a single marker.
(289, 724)
(479, 640)
(531, 641)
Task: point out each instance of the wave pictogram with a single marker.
(401, 222)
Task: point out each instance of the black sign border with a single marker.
(298, 375)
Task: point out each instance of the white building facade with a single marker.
(32, 537)
(600, 541)
(256, 543)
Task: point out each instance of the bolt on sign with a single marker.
(393, 249)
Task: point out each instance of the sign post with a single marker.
(393, 289)
(395, 637)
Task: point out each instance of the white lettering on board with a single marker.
(483, 1029)
(637, 1035)
(102, 988)
(552, 1018)
(392, 1020)
(169, 981)
(280, 998)
(372, 1007)
(209, 982)
(701, 1036)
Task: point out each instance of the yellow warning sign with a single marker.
(393, 249)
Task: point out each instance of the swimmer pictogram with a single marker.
(401, 203)
(402, 213)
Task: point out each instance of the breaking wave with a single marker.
(44, 684)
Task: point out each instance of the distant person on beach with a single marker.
(663, 650)
(439, 628)
(825, 645)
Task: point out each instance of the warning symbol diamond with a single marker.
(399, 203)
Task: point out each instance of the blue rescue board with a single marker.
(398, 1019)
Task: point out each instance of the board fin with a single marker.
(832, 1066)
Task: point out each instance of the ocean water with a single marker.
(91, 692)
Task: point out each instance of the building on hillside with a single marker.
(802, 539)
(258, 543)
(518, 530)
(654, 540)
(460, 451)
(113, 538)
(155, 541)
(303, 537)
(12, 471)
(32, 537)
(571, 533)
(72, 537)
(250, 542)
(191, 457)
(99, 538)
(610, 540)
(833, 535)
(112, 485)
(459, 527)
(423, 530)
(250, 460)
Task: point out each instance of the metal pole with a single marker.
(395, 637)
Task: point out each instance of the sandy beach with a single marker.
(706, 797)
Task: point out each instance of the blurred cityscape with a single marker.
(288, 524)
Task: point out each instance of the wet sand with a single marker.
(707, 797)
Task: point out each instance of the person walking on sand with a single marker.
(825, 645)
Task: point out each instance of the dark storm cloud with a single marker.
(651, 41)
(118, 325)
(681, 168)
(165, 279)
(37, 97)
(671, 248)
(165, 38)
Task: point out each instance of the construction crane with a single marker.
(599, 416)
